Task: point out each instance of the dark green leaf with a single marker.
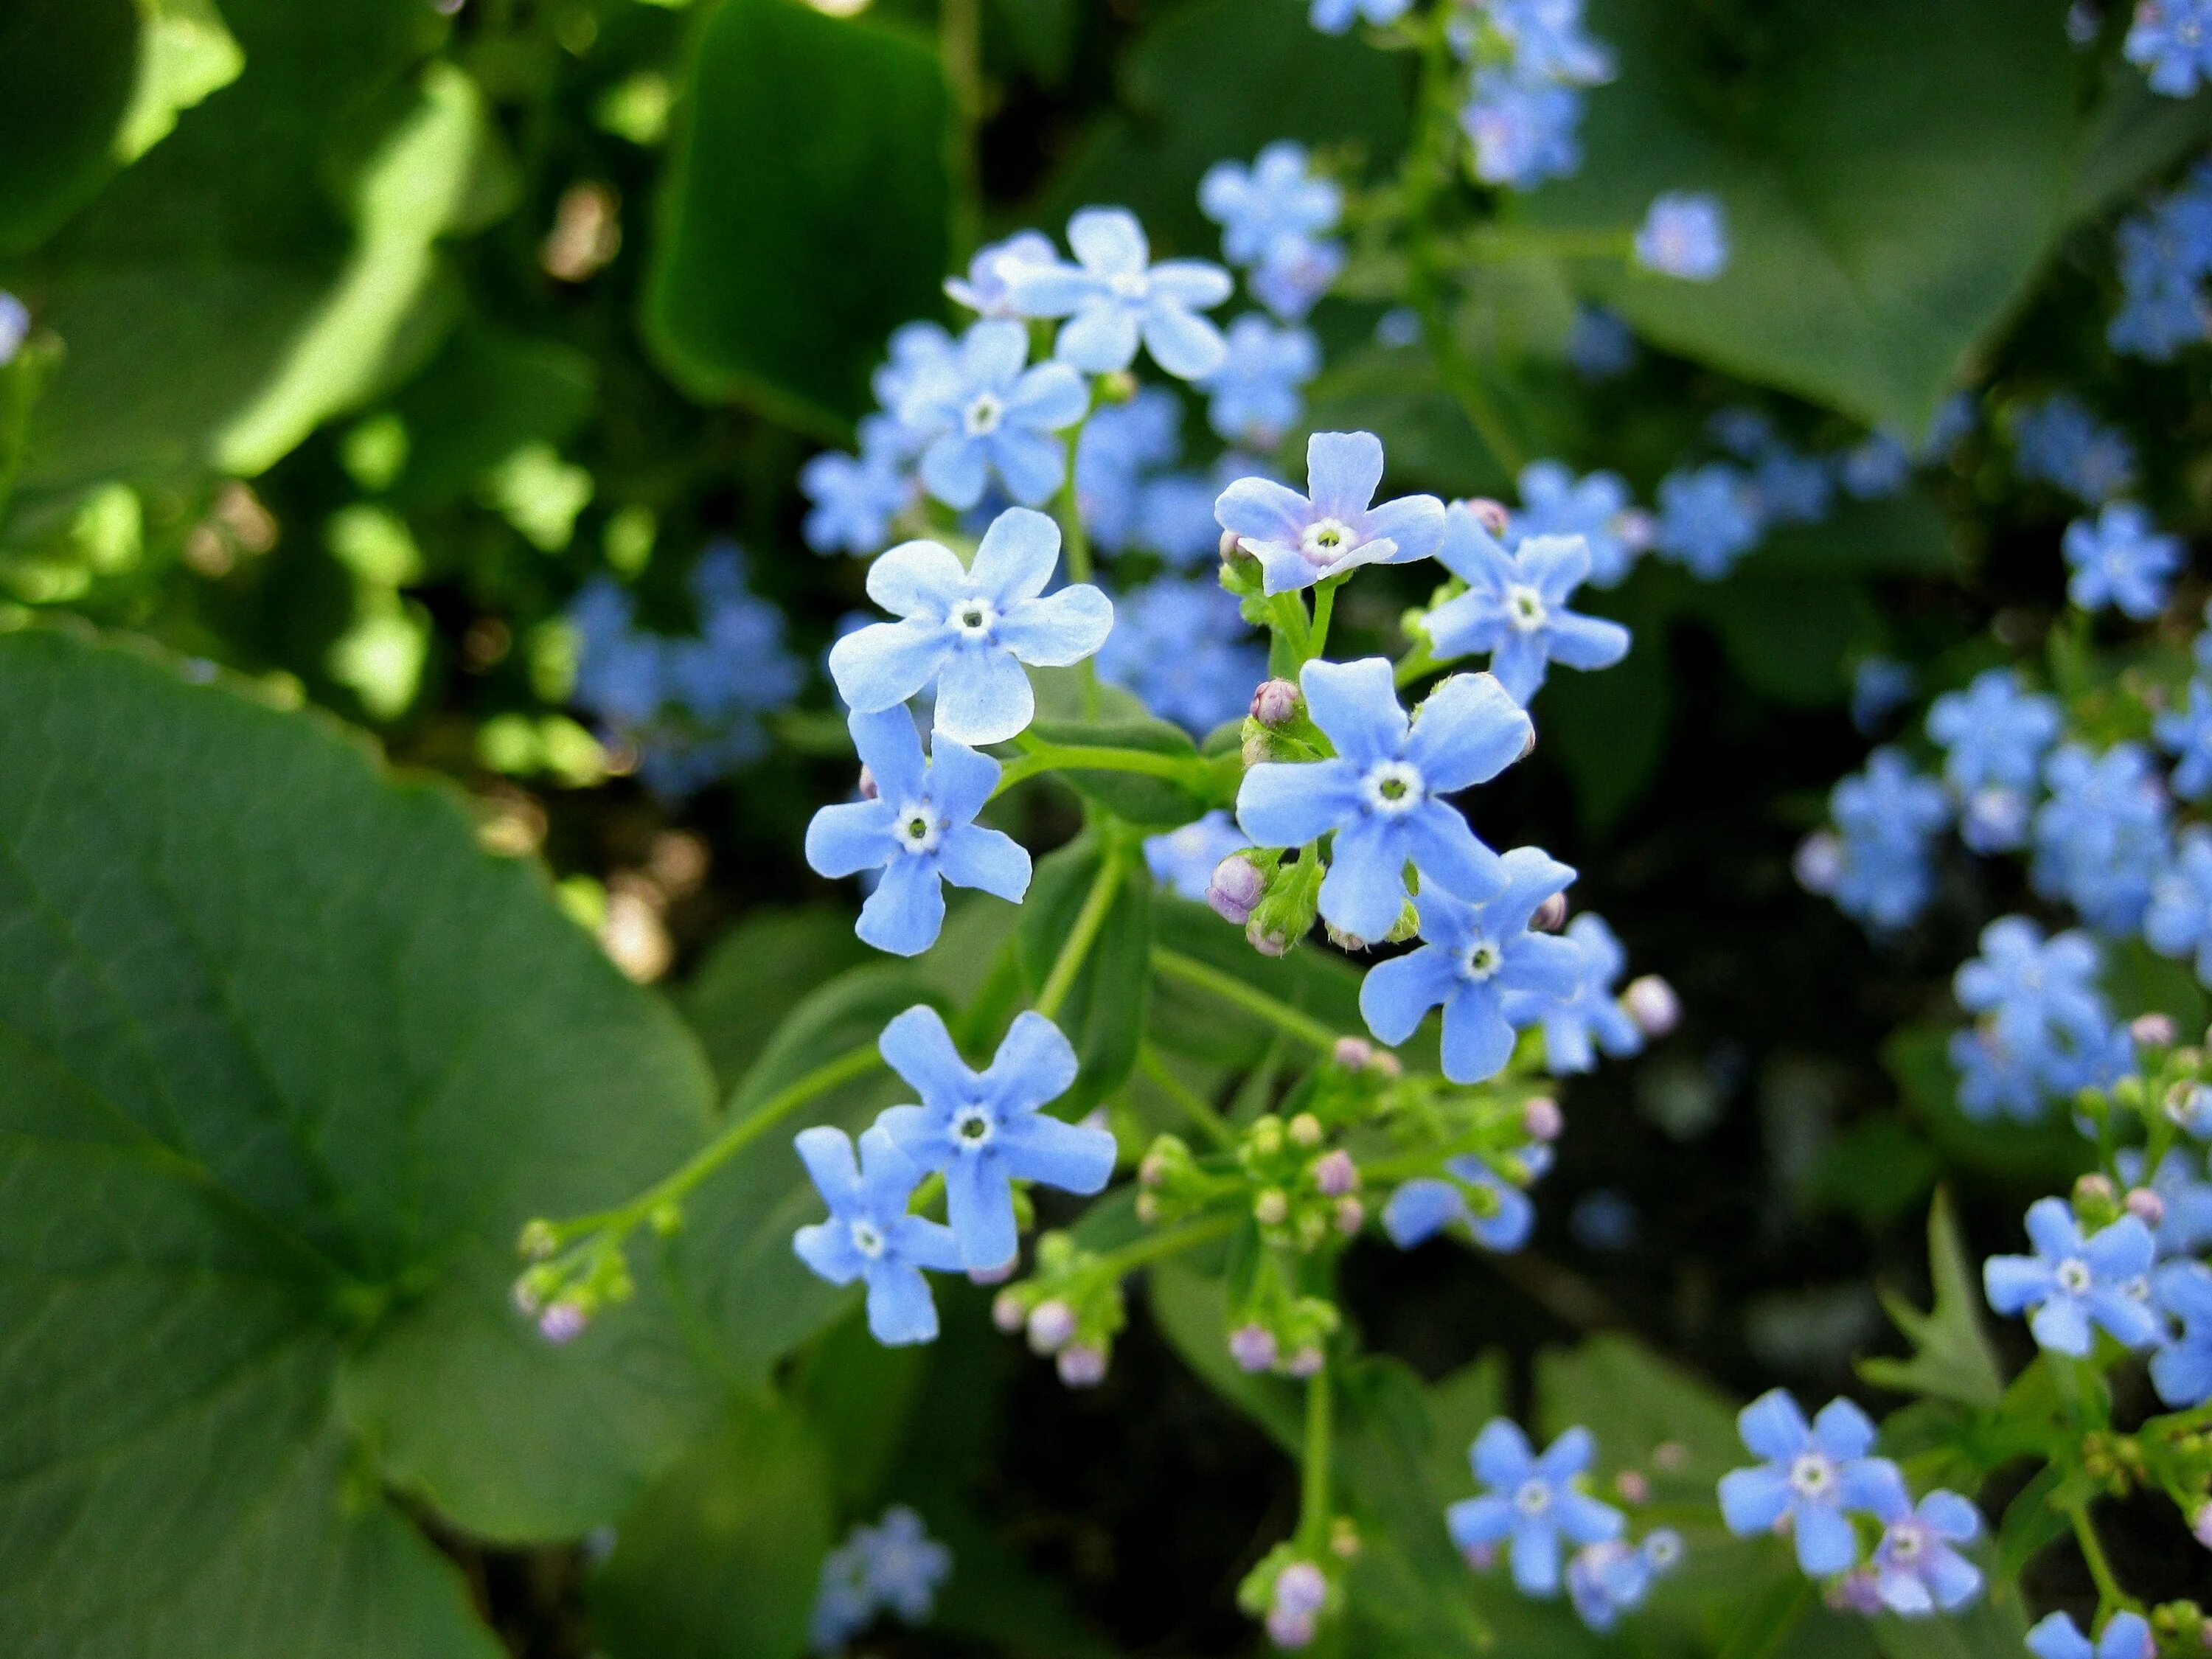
(2134, 135)
(1103, 1014)
(1876, 1169)
(1147, 803)
(1904, 536)
(487, 394)
(2047, 1154)
(1952, 1358)
(1636, 1402)
(1789, 636)
(760, 971)
(1193, 1314)
(860, 1396)
(66, 71)
(1191, 1022)
(2031, 1524)
(1609, 730)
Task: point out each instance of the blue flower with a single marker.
(1554, 502)
(855, 497)
(1294, 276)
(1792, 488)
(2060, 443)
(1745, 433)
(1600, 346)
(2181, 1369)
(869, 1235)
(1515, 608)
(1120, 444)
(989, 289)
(2121, 560)
(1383, 792)
(1993, 1081)
(2071, 1283)
(971, 630)
(916, 350)
(1708, 519)
(1813, 1475)
(2186, 733)
(1917, 1569)
(984, 414)
(1115, 296)
(2039, 996)
(1522, 128)
(1607, 1580)
(2101, 838)
(1994, 734)
(1420, 1209)
(1254, 396)
(1472, 959)
(1875, 468)
(2186, 1197)
(1533, 1501)
(1175, 510)
(2163, 255)
(620, 672)
(1183, 646)
(984, 1132)
(2178, 922)
(1592, 1018)
(920, 830)
(2127, 1636)
(1887, 816)
(1335, 17)
(1182, 860)
(1276, 200)
(1546, 39)
(894, 1566)
(1303, 539)
(2171, 41)
(1684, 234)
(1880, 687)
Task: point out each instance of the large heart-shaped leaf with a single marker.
(285, 1061)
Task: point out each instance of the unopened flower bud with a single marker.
(1300, 1588)
(1148, 1208)
(1271, 1208)
(1306, 1130)
(2094, 1188)
(1354, 1054)
(2200, 1527)
(1652, 1004)
(2152, 1031)
(1480, 1557)
(1276, 703)
(1631, 1485)
(1540, 1119)
(1344, 1539)
(1818, 863)
(1335, 1173)
(1527, 743)
(1350, 1217)
(1116, 387)
(1267, 1135)
(2190, 1105)
(1671, 1454)
(1550, 915)
(1253, 1348)
(1234, 889)
(1350, 944)
(2146, 1206)
(1492, 516)
(1389, 1065)
(1306, 1362)
(1635, 529)
(1007, 1312)
(1266, 943)
(1289, 1629)
(867, 787)
(1856, 1592)
(529, 1301)
(1230, 547)
(1082, 1366)
(1052, 1327)
(563, 1321)
(538, 1241)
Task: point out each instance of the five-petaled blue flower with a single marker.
(1275, 200)
(1382, 792)
(1515, 606)
(1684, 234)
(1813, 1474)
(920, 830)
(983, 1131)
(1533, 1502)
(869, 1235)
(2120, 559)
(2059, 442)
(2178, 922)
(1994, 734)
(2171, 41)
(2072, 1284)
(1575, 1027)
(971, 630)
(1302, 539)
(981, 412)
(1917, 1568)
(2102, 837)
(2127, 1636)
(1472, 958)
(1888, 815)
(988, 288)
(1523, 128)
(1116, 296)
(1607, 1580)
(855, 497)
(1708, 518)
(1421, 1209)
(2182, 1369)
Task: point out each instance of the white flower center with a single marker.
(867, 1239)
(1128, 285)
(2137, 1289)
(2074, 1276)
(1812, 1476)
(1483, 959)
(1525, 609)
(1533, 1497)
(984, 414)
(1326, 540)
(1664, 1549)
(975, 618)
(918, 829)
(972, 1128)
(1393, 788)
(1906, 1541)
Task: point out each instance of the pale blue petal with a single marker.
(1198, 284)
(1535, 1558)
(1586, 1521)
(1501, 1456)
(1051, 290)
(890, 748)
(1873, 1484)
(916, 1045)
(1063, 1155)
(955, 469)
(1396, 995)
(2123, 1250)
(1421, 1209)
(851, 836)
(983, 696)
(993, 352)
(1949, 1515)
(1586, 642)
(1291, 803)
(1478, 1039)
(1542, 962)
(828, 1155)
(1450, 855)
(917, 1132)
(1554, 565)
(888, 1176)
(1955, 1580)
(2056, 1637)
(2051, 1229)
(1843, 1430)
(1032, 464)
(1471, 552)
(906, 912)
(980, 1205)
(1414, 523)
(1109, 240)
(1518, 661)
(1343, 469)
(881, 666)
(1261, 510)
(1060, 629)
(1469, 729)
(1773, 1427)
(1035, 1063)
(1183, 343)
(1826, 1542)
(1100, 339)
(923, 577)
(1016, 558)
(1356, 703)
(991, 862)
(1753, 1500)
(900, 1311)
(925, 1244)
(827, 1248)
(960, 780)
(1364, 893)
(2061, 1325)
(2013, 1283)
(1569, 1455)
(1048, 397)
(1475, 1522)
(2183, 1374)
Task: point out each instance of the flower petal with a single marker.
(1501, 1456)
(980, 1204)
(1773, 1427)
(920, 577)
(849, 838)
(1198, 284)
(1586, 642)
(1450, 855)
(1035, 1063)
(1421, 1209)
(1060, 628)
(900, 1311)
(905, 914)
(916, 1045)
(1183, 343)
(1016, 557)
(1067, 1156)
(828, 1155)
(1109, 240)
(1099, 339)
(983, 696)
(1048, 397)
(1478, 1038)
(1031, 464)
(1356, 703)
(1343, 469)
(1826, 1542)
(1291, 803)
(1396, 995)
(1753, 1500)
(1364, 893)
(1261, 510)
(1468, 730)
(1414, 523)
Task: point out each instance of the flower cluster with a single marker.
(893, 1567)
(1531, 63)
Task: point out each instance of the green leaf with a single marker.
(1874, 1169)
(186, 53)
(758, 972)
(1952, 1358)
(1789, 636)
(721, 1559)
(1636, 1402)
(861, 1397)
(2032, 1524)
(1904, 536)
(1146, 803)
(1192, 1311)
(288, 1060)
(1894, 172)
(806, 210)
(488, 393)
(66, 69)
(1103, 1015)
(1609, 730)
(1203, 1027)
(2134, 135)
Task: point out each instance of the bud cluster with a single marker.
(1071, 1308)
(563, 1292)
(1294, 1588)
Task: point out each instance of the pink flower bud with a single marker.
(1234, 889)
(1276, 703)
(1350, 1217)
(1230, 547)
(1388, 1064)
(1652, 1004)
(1550, 915)
(1354, 1054)
(1631, 1485)
(998, 1275)
(1818, 863)
(2200, 1528)
(1253, 1348)
(1289, 1629)
(867, 784)
(2145, 1205)
(1336, 1174)
(1007, 1313)
(1082, 1366)
(1052, 1326)
(1267, 944)
(1635, 529)
(1300, 1588)
(1306, 1362)
(1540, 1119)
(1491, 515)
(2152, 1031)
(563, 1321)
(1671, 1454)
(1480, 1557)
(2094, 1189)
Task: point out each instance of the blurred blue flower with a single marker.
(1294, 277)
(1524, 128)
(2181, 1369)
(1420, 1209)
(1684, 234)
(1875, 468)
(1887, 816)
(1792, 487)
(2165, 253)
(1708, 518)
(1533, 1502)
(1993, 1081)
(1600, 346)
(1182, 860)
(1278, 199)
(2171, 41)
(1813, 1476)
(869, 1235)
(986, 415)
(2126, 1637)
(1745, 433)
(1115, 296)
(1546, 39)
(2039, 997)
(2072, 1283)
(1607, 1580)
(2185, 1226)
(1994, 734)
(1175, 513)
(1592, 1018)
(894, 1566)
(1596, 508)
(855, 497)
(915, 350)
(1335, 17)
(1183, 646)
(2101, 838)
(1880, 687)
(2119, 559)
(2178, 922)
(2060, 443)
(1122, 445)
(14, 327)
(1300, 539)
(988, 289)
(1255, 396)
(2186, 734)
(1514, 607)
(1917, 1567)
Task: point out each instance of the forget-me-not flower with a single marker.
(1994, 1081)
(2186, 734)
(2101, 838)
(1887, 816)
(2171, 41)
(983, 1131)
(1122, 445)
(1383, 792)
(1303, 539)
(1917, 1567)
(1994, 734)
(1546, 39)
(1523, 128)
(1294, 276)
(1516, 606)
(1577, 1026)
(1472, 958)
(2072, 1284)
(1792, 487)
(2183, 1195)
(1423, 1207)
(988, 289)
(1880, 687)
(1607, 1580)
(869, 1235)
(914, 351)
(1533, 1502)
(1255, 395)
(1596, 508)
(2126, 1637)
(1708, 518)
(1600, 346)
(2181, 1369)
(1873, 469)
(1684, 234)
(919, 831)
(855, 497)
(2040, 995)
(1815, 1474)
(2120, 559)
(1335, 17)
(894, 1566)
(971, 630)
(1182, 860)
(1275, 200)
(2059, 442)
(2178, 922)
(985, 415)
(1113, 296)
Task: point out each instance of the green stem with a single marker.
(1324, 609)
(960, 45)
(2109, 1595)
(1042, 758)
(1203, 1117)
(1313, 1483)
(1088, 921)
(1172, 1241)
(1206, 977)
(1286, 616)
(1417, 664)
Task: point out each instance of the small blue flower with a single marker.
(1294, 277)
(1182, 860)
(983, 1132)
(2127, 1636)
(2072, 1283)
(2186, 1227)
(1875, 468)
(855, 497)
(1303, 539)
(2181, 1369)
(915, 350)
(1596, 508)
(1609, 1579)
(1995, 1082)
(1335, 17)
(1182, 644)
(2163, 255)
(1600, 346)
(1917, 1568)
(894, 1566)
(2121, 561)
(1815, 1474)
(1115, 296)
(920, 830)
(1888, 815)
(2039, 996)
(621, 672)
(1382, 793)
(984, 414)
(989, 289)
(1792, 488)
(2171, 41)
(2060, 443)
(971, 630)
(1880, 687)
(1575, 1027)
(1472, 958)
(1278, 199)
(1546, 39)
(1745, 433)
(2101, 838)
(869, 1235)
(1684, 234)
(2178, 922)
(1254, 396)
(1122, 445)
(1515, 608)
(1523, 128)
(1994, 734)
(1533, 1501)
(1708, 519)
(2186, 733)
(1420, 1209)
(14, 327)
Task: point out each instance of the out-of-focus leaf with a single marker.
(721, 1558)
(66, 67)
(1790, 636)
(1039, 35)
(1637, 1402)
(487, 394)
(2031, 1524)
(1952, 1358)
(1609, 730)
(1104, 1013)
(2134, 135)
(1904, 536)
(1192, 1311)
(1894, 172)
(1874, 1169)
(758, 973)
(859, 1396)
(1192, 1022)
(186, 53)
(805, 211)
